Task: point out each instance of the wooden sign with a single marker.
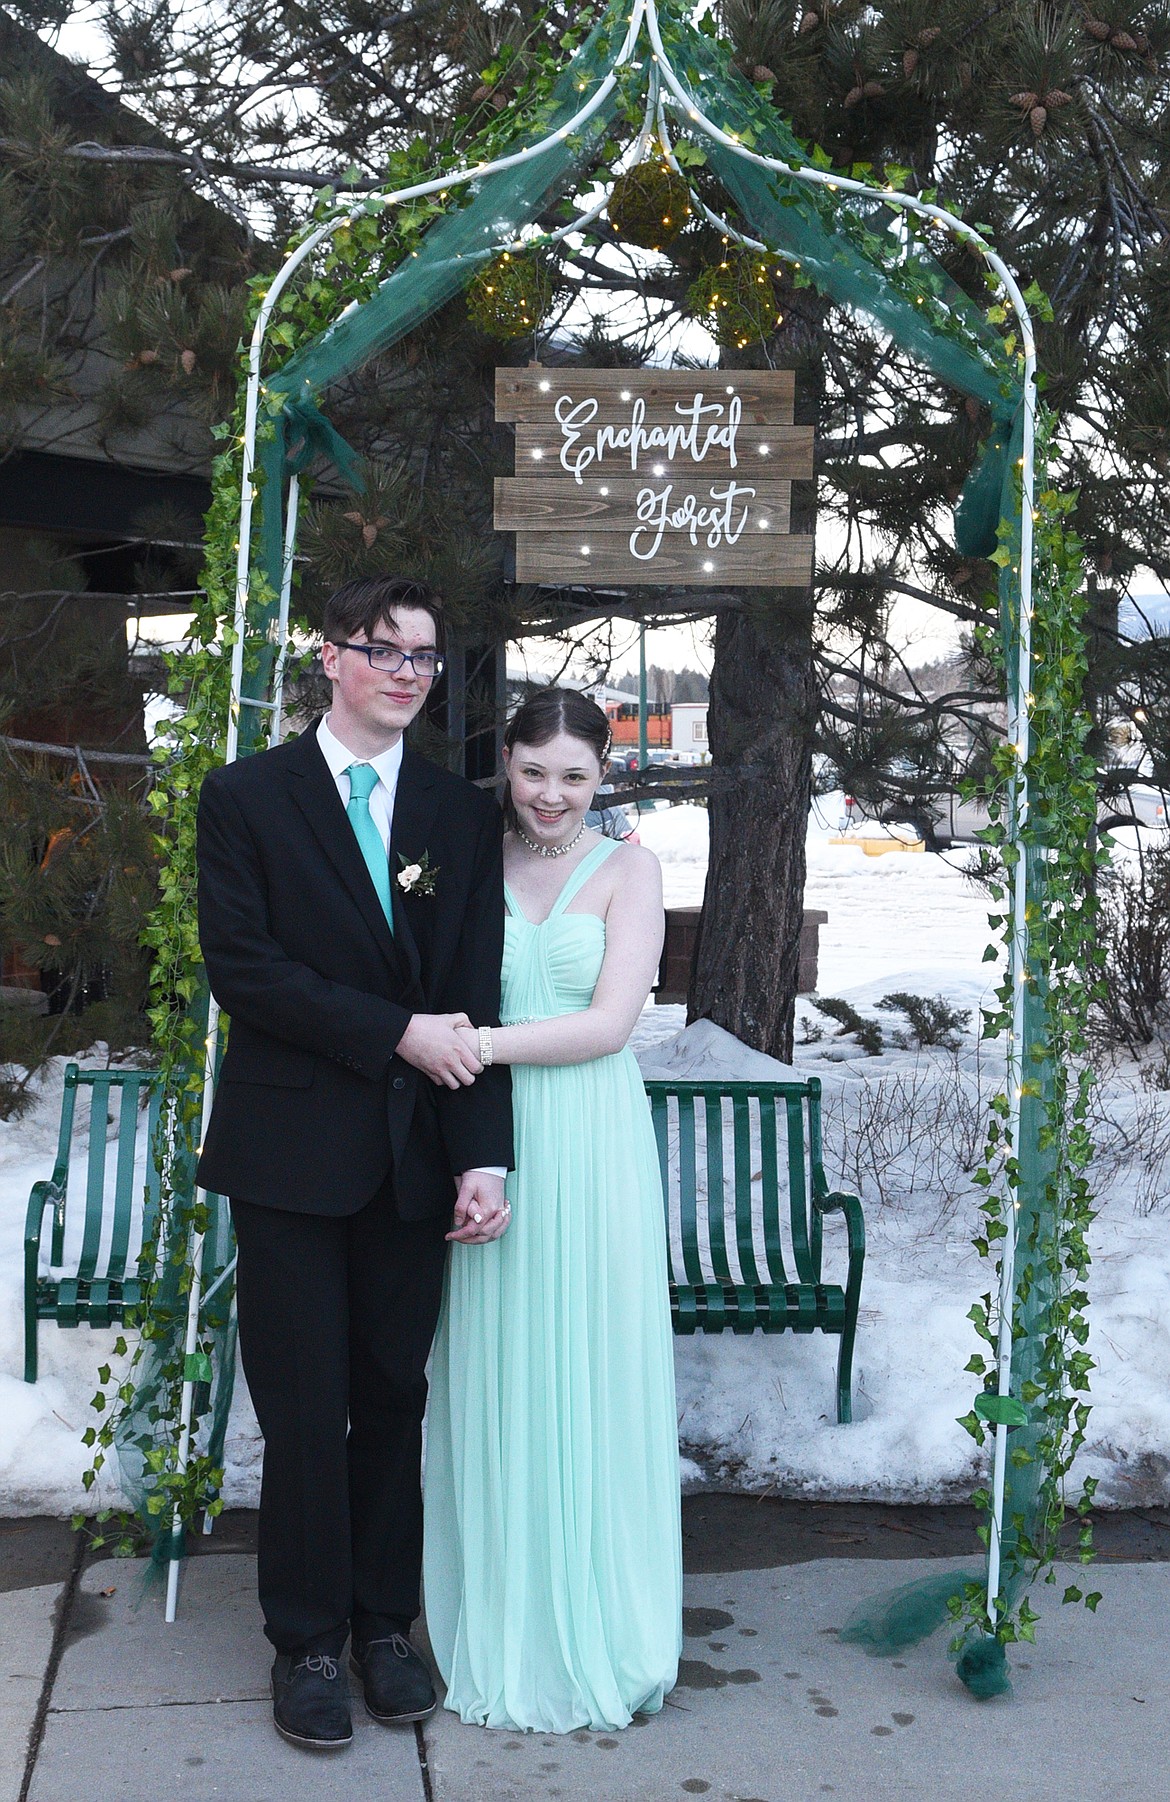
(667, 476)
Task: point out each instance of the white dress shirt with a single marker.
(387, 763)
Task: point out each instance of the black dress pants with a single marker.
(336, 1319)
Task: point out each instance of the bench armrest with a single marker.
(837, 1201)
(43, 1195)
(46, 1193)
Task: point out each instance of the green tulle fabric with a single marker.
(888, 1623)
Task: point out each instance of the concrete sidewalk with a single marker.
(769, 1708)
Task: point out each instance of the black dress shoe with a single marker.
(310, 1700)
(396, 1682)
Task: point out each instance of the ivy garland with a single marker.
(348, 268)
(1058, 839)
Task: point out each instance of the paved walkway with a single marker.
(770, 1708)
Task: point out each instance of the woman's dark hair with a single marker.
(552, 710)
(370, 601)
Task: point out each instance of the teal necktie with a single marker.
(363, 778)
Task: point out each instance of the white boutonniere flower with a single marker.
(417, 878)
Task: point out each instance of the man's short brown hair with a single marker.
(372, 601)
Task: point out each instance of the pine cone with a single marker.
(909, 62)
(187, 359)
(1039, 118)
(852, 97)
(926, 38)
(1122, 40)
(1057, 97)
(872, 89)
(1098, 29)
(809, 21)
(761, 72)
(1025, 101)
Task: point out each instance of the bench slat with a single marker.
(741, 1123)
(124, 1180)
(95, 1180)
(716, 1196)
(770, 1182)
(687, 1189)
(798, 1189)
(61, 1172)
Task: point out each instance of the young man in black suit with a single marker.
(351, 917)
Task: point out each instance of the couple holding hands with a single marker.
(431, 1129)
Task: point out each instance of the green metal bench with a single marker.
(99, 1292)
(723, 1177)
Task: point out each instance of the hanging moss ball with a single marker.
(736, 298)
(508, 298)
(650, 205)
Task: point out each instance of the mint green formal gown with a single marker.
(552, 1554)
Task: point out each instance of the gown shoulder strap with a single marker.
(590, 862)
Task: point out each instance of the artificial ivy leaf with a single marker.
(1001, 1410)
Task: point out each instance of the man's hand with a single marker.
(481, 1213)
(432, 1044)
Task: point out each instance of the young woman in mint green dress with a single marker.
(552, 1562)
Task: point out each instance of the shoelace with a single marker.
(320, 1663)
(402, 1645)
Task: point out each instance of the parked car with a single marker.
(612, 822)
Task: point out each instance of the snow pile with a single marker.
(905, 1130)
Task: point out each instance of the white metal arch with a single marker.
(644, 17)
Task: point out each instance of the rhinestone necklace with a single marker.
(550, 850)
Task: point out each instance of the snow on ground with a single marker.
(903, 1129)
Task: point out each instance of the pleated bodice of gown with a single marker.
(552, 1556)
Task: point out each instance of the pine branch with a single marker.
(75, 754)
(198, 164)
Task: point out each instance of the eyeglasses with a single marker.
(426, 665)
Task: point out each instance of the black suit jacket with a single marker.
(313, 1110)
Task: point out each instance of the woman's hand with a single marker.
(482, 1212)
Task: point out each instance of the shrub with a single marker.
(1133, 1002)
(868, 1033)
(932, 1020)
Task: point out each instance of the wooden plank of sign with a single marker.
(558, 504)
(784, 452)
(777, 562)
(519, 396)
